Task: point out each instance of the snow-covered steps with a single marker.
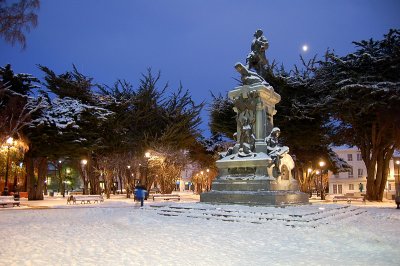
(304, 216)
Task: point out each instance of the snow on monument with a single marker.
(257, 170)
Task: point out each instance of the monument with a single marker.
(257, 170)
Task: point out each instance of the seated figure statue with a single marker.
(247, 138)
(275, 151)
(249, 77)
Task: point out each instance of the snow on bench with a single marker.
(349, 199)
(166, 196)
(8, 200)
(84, 199)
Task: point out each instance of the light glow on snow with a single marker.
(190, 233)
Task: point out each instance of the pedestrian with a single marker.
(140, 194)
(361, 187)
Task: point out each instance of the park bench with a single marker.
(84, 199)
(8, 201)
(166, 196)
(154, 191)
(349, 199)
(76, 193)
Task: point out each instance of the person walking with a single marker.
(140, 194)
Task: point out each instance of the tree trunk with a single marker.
(376, 155)
(35, 184)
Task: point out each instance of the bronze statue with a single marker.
(256, 58)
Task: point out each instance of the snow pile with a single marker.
(121, 233)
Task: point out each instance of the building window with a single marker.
(334, 189)
(389, 186)
(359, 158)
(349, 157)
(340, 189)
(351, 186)
(350, 173)
(360, 173)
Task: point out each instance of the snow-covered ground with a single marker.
(119, 232)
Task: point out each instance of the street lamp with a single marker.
(128, 187)
(67, 172)
(321, 165)
(84, 163)
(147, 155)
(397, 185)
(9, 143)
(208, 180)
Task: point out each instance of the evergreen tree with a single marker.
(361, 91)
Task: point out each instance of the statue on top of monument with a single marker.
(275, 151)
(249, 77)
(256, 58)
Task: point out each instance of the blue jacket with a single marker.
(140, 193)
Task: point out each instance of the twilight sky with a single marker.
(194, 42)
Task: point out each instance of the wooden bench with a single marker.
(166, 196)
(84, 199)
(8, 201)
(76, 193)
(348, 199)
(154, 191)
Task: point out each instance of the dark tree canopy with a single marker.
(361, 92)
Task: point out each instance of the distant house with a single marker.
(348, 182)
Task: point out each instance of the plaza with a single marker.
(119, 232)
(199, 132)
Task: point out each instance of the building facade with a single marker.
(355, 181)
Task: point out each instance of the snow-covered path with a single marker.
(200, 234)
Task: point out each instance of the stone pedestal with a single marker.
(264, 111)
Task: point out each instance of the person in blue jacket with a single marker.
(140, 194)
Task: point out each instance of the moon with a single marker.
(305, 48)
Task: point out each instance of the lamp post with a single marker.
(128, 190)
(147, 155)
(9, 143)
(316, 182)
(397, 184)
(67, 172)
(321, 165)
(208, 180)
(84, 163)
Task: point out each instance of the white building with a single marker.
(349, 182)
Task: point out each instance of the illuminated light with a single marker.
(84, 162)
(10, 141)
(305, 48)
